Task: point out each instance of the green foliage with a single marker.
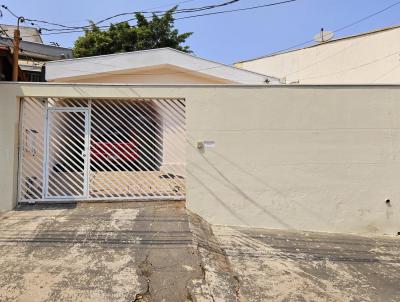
(122, 37)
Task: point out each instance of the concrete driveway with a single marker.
(99, 252)
(304, 266)
(159, 251)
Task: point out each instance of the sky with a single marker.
(225, 38)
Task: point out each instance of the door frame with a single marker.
(86, 163)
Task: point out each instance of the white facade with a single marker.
(155, 66)
(286, 157)
(370, 58)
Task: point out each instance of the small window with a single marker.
(33, 76)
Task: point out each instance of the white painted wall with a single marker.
(159, 75)
(367, 59)
(132, 67)
(309, 158)
(9, 120)
(322, 159)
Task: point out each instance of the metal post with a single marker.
(16, 41)
(17, 37)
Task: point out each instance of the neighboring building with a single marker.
(28, 34)
(33, 52)
(155, 66)
(6, 64)
(367, 58)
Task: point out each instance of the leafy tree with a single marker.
(122, 37)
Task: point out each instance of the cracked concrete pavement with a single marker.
(159, 251)
(100, 252)
(277, 265)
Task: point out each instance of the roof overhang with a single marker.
(40, 51)
(139, 60)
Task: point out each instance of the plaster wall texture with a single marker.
(160, 75)
(9, 120)
(322, 158)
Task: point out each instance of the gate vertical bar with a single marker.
(20, 148)
(88, 134)
(135, 146)
(45, 148)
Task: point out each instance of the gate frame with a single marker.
(87, 197)
(46, 167)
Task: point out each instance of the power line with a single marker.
(367, 17)
(74, 29)
(172, 4)
(9, 10)
(67, 31)
(341, 29)
(387, 73)
(353, 68)
(5, 32)
(237, 10)
(324, 59)
(115, 67)
(161, 6)
(335, 31)
(220, 12)
(54, 33)
(24, 51)
(2, 29)
(177, 11)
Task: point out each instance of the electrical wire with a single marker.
(115, 67)
(341, 29)
(353, 68)
(237, 10)
(75, 29)
(171, 4)
(324, 59)
(177, 11)
(11, 46)
(2, 29)
(335, 31)
(5, 32)
(67, 31)
(367, 17)
(387, 73)
(9, 10)
(151, 8)
(166, 5)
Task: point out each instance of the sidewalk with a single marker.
(159, 251)
(304, 266)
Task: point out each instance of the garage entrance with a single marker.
(101, 149)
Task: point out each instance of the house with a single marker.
(155, 66)
(367, 58)
(6, 65)
(294, 157)
(28, 34)
(33, 52)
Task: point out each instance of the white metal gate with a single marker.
(102, 149)
(67, 145)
